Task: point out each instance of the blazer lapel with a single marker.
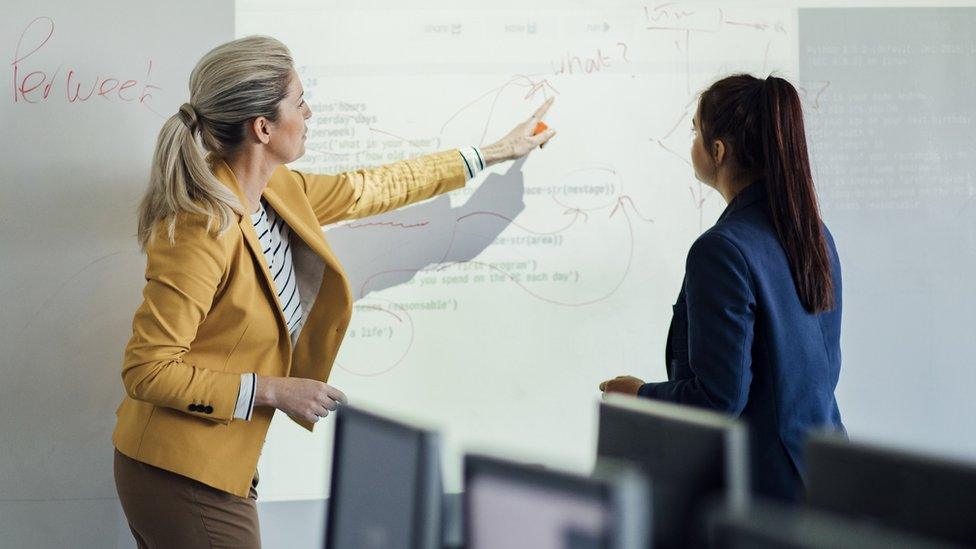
(310, 235)
(223, 172)
(310, 252)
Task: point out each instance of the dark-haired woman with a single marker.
(756, 327)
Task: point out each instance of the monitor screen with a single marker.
(385, 493)
(927, 495)
(691, 457)
(519, 506)
(772, 525)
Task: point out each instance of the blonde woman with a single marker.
(245, 305)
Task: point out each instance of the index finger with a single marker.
(541, 111)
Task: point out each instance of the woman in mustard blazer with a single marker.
(245, 305)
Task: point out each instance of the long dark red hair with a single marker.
(761, 123)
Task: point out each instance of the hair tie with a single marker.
(189, 116)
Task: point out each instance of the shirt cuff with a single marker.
(474, 162)
(245, 397)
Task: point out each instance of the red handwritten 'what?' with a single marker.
(36, 85)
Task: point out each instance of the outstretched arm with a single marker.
(372, 191)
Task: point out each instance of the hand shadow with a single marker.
(387, 250)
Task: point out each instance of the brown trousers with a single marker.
(167, 510)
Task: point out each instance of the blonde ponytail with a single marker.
(231, 85)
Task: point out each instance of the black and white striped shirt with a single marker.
(273, 234)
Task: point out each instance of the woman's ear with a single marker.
(718, 152)
(261, 129)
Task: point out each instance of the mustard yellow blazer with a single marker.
(210, 313)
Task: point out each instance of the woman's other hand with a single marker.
(301, 398)
(521, 140)
(628, 385)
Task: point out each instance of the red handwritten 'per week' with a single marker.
(36, 86)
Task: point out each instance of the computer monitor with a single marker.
(386, 485)
(931, 496)
(691, 456)
(518, 506)
(770, 525)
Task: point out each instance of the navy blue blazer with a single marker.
(741, 342)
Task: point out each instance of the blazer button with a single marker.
(192, 407)
(208, 409)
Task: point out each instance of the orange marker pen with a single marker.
(539, 128)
